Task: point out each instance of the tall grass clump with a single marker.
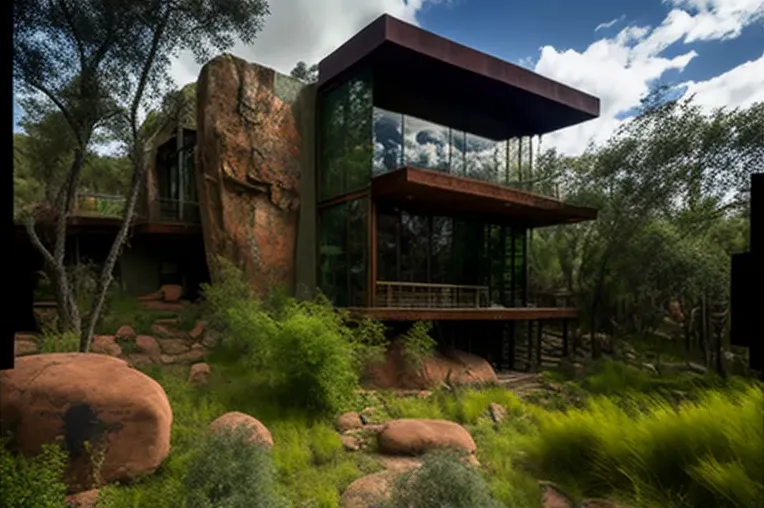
(228, 471)
(701, 453)
(310, 354)
(37, 482)
(444, 480)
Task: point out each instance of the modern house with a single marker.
(400, 185)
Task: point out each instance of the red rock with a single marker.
(458, 367)
(348, 421)
(152, 297)
(149, 346)
(200, 374)
(139, 360)
(105, 344)
(198, 332)
(417, 436)
(173, 346)
(87, 499)
(553, 496)
(49, 396)
(166, 306)
(258, 433)
(350, 443)
(171, 292)
(125, 332)
(371, 490)
(247, 172)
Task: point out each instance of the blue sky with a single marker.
(614, 50)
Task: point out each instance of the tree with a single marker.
(100, 63)
(304, 73)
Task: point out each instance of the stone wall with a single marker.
(254, 141)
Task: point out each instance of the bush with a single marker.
(704, 453)
(417, 344)
(443, 481)
(27, 483)
(53, 342)
(226, 471)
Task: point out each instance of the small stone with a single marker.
(125, 332)
(350, 443)
(87, 499)
(200, 374)
(498, 413)
(25, 345)
(198, 331)
(348, 421)
(173, 346)
(171, 292)
(149, 346)
(258, 433)
(106, 345)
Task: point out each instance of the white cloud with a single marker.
(610, 23)
(302, 30)
(619, 70)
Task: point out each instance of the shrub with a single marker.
(54, 342)
(417, 344)
(443, 481)
(226, 471)
(36, 482)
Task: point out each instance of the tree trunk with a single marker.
(106, 278)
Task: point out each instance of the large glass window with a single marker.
(343, 253)
(346, 137)
(426, 145)
(482, 156)
(388, 141)
(415, 249)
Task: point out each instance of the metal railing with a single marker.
(158, 210)
(436, 296)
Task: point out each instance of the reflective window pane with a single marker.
(387, 245)
(388, 141)
(482, 158)
(426, 144)
(414, 240)
(458, 153)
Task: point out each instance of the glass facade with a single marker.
(343, 252)
(346, 138)
(402, 140)
(447, 250)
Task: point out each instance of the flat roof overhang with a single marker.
(419, 73)
(440, 193)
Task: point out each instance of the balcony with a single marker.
(159, 210)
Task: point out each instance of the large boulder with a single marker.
(74, 398)
(451, 365)
(248, 173)
(418, 436)
(257, 432)
(369, 491)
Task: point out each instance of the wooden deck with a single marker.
(466, 314)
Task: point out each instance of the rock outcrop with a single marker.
(248, 171)
(452, 366)
(123, 414)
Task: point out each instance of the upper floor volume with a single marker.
(396, 96)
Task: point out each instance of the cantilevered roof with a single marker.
(440, 193)
(419, 73)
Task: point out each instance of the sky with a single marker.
(713, 49)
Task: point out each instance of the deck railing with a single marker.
(158, 210)
(437, 296)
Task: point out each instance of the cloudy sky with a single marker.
(614, 50)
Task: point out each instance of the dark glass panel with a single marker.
(387, 246)
(357, 160)
(333, 131)
(357, 237)
(458, 153)
(482, 158)
(333, 254)
(441, 248)
(414, 247)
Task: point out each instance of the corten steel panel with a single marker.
(742, 295)
(441, 193)
(484, 314)
(422, 74)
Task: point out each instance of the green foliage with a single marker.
(655, 454)
(55, 342)
(417, 344)
(443, 481)
(311, 355)
(32, 483)
(226, 471)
